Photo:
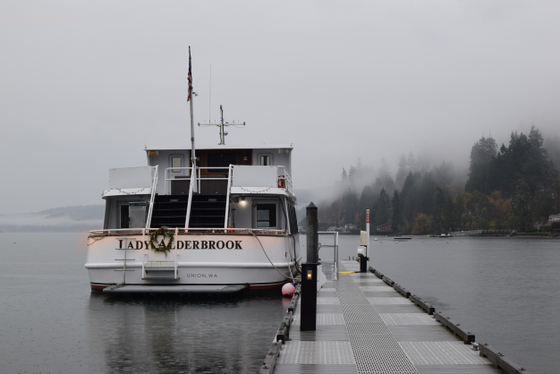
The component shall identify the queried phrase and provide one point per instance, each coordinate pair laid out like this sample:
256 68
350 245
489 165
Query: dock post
364 259
308 311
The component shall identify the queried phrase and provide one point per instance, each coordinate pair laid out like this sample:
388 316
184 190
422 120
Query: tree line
510 187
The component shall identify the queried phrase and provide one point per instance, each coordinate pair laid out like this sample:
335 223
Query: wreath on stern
158 247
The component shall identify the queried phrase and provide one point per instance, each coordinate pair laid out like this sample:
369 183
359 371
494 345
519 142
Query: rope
284 275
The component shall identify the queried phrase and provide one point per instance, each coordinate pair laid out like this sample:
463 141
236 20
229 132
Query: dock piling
308 311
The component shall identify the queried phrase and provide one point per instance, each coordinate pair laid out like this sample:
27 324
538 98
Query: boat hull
253 260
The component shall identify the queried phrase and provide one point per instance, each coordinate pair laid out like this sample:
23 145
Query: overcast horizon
86 85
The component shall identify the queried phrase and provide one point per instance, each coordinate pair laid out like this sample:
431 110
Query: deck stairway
169 210
208 211
160 270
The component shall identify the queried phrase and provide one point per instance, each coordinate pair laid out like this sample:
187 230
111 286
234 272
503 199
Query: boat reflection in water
182 335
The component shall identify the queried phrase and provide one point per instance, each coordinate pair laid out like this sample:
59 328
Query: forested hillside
514 186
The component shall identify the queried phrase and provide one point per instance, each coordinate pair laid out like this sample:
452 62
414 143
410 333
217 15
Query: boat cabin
229 188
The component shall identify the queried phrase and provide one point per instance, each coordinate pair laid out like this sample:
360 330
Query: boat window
293 220
266 215
221 159
265 160
176 162
124 216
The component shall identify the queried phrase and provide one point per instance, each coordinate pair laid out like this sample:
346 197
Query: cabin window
124 217
221 159
266 215
176 162
293 220
265 160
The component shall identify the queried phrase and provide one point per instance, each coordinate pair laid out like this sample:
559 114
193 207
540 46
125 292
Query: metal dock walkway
365 326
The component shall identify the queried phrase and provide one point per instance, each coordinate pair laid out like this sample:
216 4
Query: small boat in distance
401 238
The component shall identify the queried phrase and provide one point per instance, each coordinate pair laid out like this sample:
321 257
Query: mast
222 126
193 155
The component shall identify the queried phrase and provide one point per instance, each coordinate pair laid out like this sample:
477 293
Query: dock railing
335 249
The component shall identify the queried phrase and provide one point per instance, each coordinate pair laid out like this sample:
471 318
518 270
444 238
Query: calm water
504 290
50 323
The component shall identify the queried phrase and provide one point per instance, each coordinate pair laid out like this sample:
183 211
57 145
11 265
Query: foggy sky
84 86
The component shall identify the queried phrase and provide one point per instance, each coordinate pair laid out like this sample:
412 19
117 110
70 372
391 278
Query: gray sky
85 85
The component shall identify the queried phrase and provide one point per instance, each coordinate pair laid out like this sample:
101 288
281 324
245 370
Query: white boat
230 227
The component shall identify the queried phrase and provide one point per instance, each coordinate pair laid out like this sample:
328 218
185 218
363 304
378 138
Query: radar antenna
222 126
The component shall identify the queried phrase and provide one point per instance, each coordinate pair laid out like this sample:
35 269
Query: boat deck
365 326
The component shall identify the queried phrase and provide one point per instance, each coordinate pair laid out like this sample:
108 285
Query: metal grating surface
418 333
329 269
442 353
388 300
325 333
368 281
376 288
327 301
375 348
314 369
319 352
323 319
400 308
406 319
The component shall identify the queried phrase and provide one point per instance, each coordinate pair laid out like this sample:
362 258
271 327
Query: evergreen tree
439 203
421 225
402 171
459 209
409 197
382 208
396 212
448 218
520 204
552 146
426 195
482 154
349 207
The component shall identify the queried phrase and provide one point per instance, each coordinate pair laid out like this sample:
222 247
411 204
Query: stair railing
176 254
144 254
152 197
228 191
189 204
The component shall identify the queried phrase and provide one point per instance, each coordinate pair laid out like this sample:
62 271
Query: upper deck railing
249 178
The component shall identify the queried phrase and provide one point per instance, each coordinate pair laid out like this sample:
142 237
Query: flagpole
193 155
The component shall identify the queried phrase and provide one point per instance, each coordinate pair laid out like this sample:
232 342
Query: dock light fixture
243 202
309 275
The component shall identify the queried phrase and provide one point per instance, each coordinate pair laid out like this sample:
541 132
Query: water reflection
182 335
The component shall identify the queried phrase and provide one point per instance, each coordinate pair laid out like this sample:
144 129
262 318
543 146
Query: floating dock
367 324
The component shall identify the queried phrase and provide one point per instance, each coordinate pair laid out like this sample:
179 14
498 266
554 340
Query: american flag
190 76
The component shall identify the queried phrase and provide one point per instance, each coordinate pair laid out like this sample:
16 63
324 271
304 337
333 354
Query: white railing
152 197
238 176
183 231
230 177
250 176
189 204
334 246
199 178
169 178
